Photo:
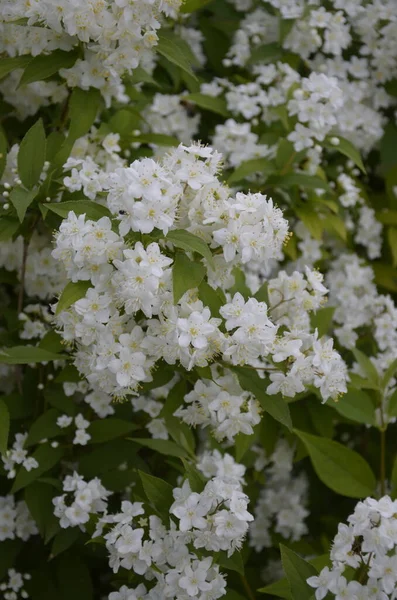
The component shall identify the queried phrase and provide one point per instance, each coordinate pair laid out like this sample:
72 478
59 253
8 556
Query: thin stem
247 588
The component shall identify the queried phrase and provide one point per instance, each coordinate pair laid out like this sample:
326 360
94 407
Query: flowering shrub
198 330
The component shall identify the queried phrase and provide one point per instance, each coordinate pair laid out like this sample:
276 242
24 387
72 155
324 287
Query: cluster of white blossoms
80 500
167 115
239 143
81 436
320 105
128 319
216 519
107 39
15 520
13 587
281 506
363 554
18 455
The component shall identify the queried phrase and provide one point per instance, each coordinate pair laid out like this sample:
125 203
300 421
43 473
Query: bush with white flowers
198 317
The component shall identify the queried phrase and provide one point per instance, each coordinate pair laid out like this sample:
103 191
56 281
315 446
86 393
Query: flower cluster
15 520
114 38
18 455
80 500
13 587
367 545
214 519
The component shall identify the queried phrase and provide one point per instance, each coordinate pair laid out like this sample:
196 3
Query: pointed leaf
31 155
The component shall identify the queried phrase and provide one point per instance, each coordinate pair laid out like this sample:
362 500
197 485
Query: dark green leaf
305 181
357 406
186 275
158 492
74 580
72 292
22 355
190 242
211 103
104 430
367 366
45 427
341 469
297 571
47 457
264 166
162 446
347 148
21 199
10 64
189 6
231 563
8 226
322 320
31 155
175 50
44 65
92 210
4 426
274 405
64 539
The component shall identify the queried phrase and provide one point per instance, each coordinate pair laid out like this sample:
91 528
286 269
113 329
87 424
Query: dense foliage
198 328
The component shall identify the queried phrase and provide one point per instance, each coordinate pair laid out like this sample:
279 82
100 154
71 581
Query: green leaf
21 199
322 320
196 479
158 492
158 139
392 240
232 563
74 579
297 571
280 588
139 75
63 540
336 224
389 373
274 405
367 366
31 155
83 109
265 52
92 210
162 446
10 64
189 6
343 470
211 103
392 405
44 65
3 151
8 226
214 299
104 430
47 457
4 426
38 497
186 275
357 406
72 292
45 427
22 355
175 50
305 181
264 166
190 242
311 220
347 148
